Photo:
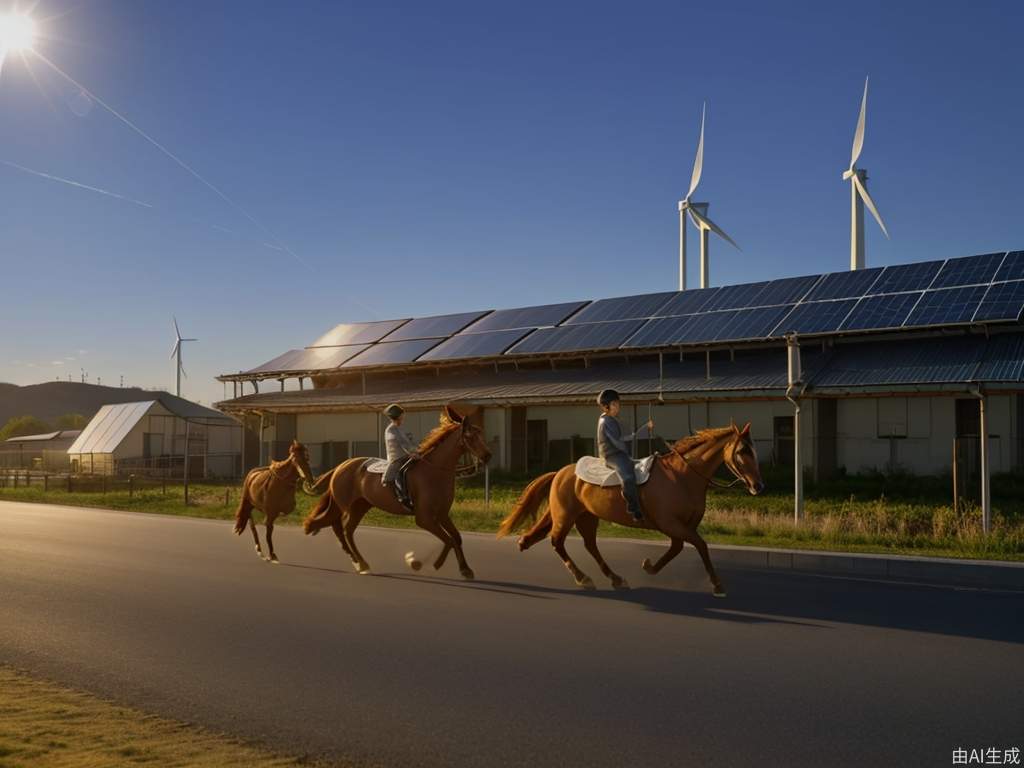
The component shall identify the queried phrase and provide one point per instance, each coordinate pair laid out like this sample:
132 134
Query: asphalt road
180 618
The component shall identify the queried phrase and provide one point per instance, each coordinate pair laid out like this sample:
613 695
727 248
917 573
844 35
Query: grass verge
881 514
44 724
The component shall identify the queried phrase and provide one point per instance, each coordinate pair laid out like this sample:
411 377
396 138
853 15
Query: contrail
77 184
173 157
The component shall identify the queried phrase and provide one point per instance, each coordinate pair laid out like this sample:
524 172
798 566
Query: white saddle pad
592 469
376 466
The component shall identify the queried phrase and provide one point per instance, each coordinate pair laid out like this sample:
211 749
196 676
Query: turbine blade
706 223
863 192
695 218
858 136
698 161
190 339
177 333
183 372
174 349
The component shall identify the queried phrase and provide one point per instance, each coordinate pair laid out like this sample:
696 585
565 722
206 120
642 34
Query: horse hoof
412 562
620 584
718 592
273 558
586 582
521 543
363 571
648 566
467 573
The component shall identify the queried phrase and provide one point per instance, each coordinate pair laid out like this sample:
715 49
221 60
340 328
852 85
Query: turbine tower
176 351
698 213
859 197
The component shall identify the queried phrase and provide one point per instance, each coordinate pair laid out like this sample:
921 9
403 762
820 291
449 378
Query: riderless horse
353 489
674 500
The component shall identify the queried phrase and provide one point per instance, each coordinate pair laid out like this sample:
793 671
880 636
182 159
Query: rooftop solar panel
661 332
687 302
357 333
324 358
907 277
751 324
625 308
969 270
572 338
844 285
433 327
279 363
947 306
734 296
786 291
880 312
391 353
1012 267
467 345
525 317
816 317
1003 301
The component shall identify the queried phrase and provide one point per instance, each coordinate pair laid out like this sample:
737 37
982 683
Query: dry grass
43 725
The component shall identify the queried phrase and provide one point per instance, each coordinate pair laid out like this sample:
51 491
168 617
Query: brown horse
430 483
272 490
673 500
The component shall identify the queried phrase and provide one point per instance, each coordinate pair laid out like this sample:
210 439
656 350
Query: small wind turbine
698 213
177 351
859 197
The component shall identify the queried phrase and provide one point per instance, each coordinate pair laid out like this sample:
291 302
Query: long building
897 363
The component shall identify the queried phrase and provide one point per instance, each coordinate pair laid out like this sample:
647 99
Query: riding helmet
607 397
393 411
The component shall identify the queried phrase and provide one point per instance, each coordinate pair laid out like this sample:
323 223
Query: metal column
986 487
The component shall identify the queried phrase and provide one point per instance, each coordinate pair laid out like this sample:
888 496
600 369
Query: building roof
969 292
60 434
112 423
916 364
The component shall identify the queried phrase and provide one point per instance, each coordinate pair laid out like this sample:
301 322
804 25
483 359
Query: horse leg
456 543
441 558
587 524
352 518
695 538
674 549
270 537
562 524
430 524
256 537
340 533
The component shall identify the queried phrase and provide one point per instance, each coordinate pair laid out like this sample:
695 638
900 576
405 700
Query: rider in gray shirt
401 450
612 447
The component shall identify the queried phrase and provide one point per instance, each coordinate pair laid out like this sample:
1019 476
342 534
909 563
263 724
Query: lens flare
17 32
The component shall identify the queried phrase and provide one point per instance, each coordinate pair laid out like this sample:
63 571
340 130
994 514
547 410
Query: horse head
741 459
470 419
299 456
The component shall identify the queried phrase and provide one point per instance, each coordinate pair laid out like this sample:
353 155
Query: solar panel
844 285
750 324
661 332
816 317
572 338
878 312
969 270
947 306
786 291
433 327
323 358
687 302
525 317
467 345
734 296
391 353
706 327
625 308
907 277
279 363
1012 268
357 333
1003 301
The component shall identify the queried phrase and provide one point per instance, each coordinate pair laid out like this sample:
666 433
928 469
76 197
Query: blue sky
426 158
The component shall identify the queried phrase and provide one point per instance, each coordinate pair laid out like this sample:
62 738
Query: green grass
866 513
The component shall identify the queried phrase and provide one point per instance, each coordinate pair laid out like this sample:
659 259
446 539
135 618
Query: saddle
376 466
593 470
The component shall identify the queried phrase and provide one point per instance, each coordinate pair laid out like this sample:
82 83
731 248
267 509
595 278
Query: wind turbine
178 341
698 213
859 197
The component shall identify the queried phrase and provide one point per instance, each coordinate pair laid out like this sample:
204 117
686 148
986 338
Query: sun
17 32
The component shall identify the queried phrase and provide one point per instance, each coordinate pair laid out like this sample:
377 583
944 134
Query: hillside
55 398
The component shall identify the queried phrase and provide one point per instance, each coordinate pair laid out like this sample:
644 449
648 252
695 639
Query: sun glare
17 32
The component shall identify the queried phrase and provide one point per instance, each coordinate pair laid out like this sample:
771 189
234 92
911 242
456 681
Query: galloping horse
272 490
430 482
673 499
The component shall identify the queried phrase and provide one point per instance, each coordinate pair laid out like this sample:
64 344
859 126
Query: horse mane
437 434
701 437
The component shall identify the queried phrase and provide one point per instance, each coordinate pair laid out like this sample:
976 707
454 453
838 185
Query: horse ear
746 429
452 415
732 423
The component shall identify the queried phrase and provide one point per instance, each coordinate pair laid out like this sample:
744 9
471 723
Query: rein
710 479
460 470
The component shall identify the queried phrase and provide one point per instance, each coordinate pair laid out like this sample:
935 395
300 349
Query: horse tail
315 487
528 504
244 512
320 516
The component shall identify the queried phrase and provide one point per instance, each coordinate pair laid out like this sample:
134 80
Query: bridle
461 470
737 478
299 475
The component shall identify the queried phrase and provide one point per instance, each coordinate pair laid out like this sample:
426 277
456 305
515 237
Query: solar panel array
976 289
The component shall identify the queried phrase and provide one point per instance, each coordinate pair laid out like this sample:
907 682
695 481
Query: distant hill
55 398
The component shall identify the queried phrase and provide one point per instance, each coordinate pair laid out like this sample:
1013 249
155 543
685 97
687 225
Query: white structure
859 197
176 352
698 213
154 436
